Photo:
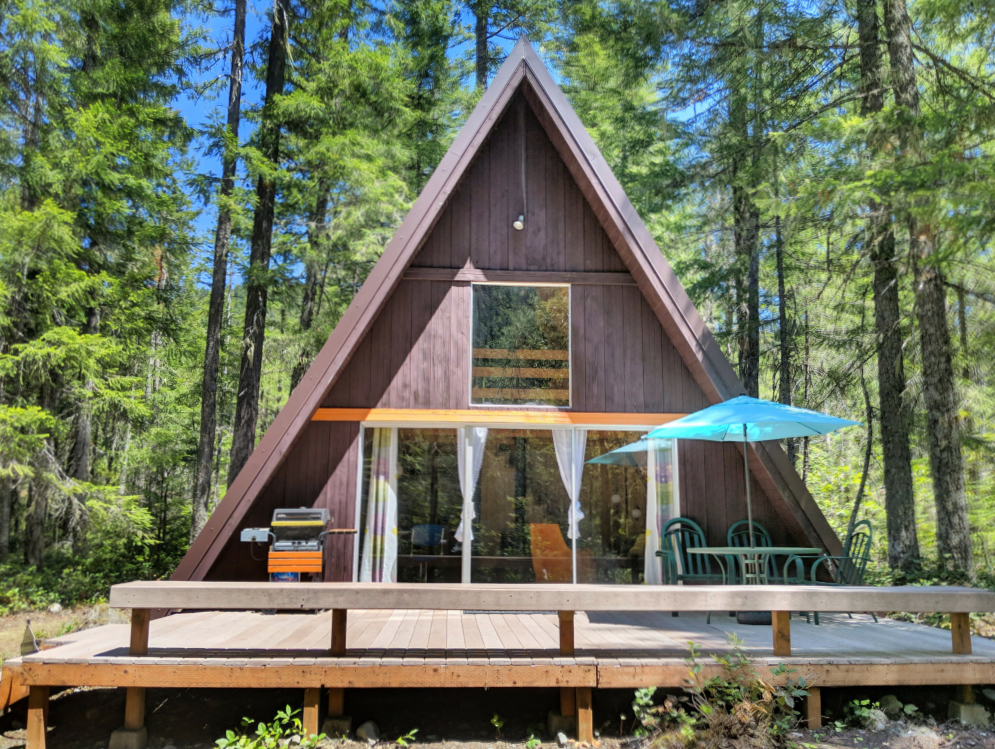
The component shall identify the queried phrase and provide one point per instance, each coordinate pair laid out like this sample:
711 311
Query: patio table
753 560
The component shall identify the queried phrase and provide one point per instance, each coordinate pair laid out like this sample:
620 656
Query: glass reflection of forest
520 532
521 342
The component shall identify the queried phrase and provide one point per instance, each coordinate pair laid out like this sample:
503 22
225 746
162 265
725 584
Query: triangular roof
523 70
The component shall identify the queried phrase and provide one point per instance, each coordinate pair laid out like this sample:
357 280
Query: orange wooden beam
493 416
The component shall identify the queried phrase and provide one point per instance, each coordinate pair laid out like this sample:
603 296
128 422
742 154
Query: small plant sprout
498 723
533 742
407 739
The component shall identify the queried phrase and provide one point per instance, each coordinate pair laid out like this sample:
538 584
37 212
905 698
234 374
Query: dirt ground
47 626
445 719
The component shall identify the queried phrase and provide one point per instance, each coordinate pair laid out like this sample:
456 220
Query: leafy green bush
270 735
733 708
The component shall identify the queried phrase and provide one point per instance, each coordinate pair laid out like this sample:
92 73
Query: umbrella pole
746 473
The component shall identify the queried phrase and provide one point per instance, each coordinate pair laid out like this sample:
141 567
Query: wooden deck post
312 702
960 632
339 622
813 708
781 624
336 702
37 717
134 703
566 632
568 701
585 716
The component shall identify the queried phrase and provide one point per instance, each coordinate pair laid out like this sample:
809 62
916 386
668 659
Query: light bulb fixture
519 222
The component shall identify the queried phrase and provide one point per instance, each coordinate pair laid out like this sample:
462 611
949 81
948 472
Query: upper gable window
521 345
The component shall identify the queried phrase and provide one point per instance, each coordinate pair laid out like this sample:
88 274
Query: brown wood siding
561 231
460 224
319 472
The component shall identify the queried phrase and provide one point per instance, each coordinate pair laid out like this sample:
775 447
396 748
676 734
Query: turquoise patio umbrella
632 455
745 419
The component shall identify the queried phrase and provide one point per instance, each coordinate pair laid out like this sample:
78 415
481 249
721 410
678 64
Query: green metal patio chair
847 569
679 535
738 535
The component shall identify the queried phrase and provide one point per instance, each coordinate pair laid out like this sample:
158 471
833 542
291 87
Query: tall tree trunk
6 504
80 458
784 375
481 11
903 542
254 329
746 230
312 281
215 310
953 532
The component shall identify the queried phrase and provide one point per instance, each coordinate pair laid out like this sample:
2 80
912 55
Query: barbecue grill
297 542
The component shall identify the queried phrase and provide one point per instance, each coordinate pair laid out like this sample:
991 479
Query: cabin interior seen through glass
521 345
412 512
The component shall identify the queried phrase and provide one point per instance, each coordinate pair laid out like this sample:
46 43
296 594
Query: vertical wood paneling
652 353
573 226
614 327
578 353
554 206
632 349
417 352
400 348
439 366
422 333
459 227
459 350
537 147
500 183
594 346
480 210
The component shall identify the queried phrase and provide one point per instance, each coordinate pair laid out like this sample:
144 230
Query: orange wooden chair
551 558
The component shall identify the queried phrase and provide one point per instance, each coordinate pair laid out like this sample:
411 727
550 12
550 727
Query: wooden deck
418 648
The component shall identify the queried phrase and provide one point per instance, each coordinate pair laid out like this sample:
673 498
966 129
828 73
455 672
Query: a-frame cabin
522 320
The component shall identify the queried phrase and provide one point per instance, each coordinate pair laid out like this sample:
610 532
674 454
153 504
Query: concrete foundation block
337 726
969 714
129 738
556 723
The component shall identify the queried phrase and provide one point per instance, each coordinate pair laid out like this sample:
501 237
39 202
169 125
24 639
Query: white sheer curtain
470 441
652 567
378 563
570 445
662 503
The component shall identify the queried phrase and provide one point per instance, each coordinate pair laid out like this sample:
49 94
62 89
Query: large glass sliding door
493 505
427 506
520 532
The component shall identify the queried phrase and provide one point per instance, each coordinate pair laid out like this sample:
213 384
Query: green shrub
733 708
269 735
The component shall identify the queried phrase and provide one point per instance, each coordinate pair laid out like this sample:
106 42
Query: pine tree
219 273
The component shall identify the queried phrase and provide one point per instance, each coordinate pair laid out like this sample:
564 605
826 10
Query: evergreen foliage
770 171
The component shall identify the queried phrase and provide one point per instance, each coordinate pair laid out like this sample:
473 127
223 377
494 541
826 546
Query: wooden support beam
312 702
585 716
139 632
566 632
813 708
568 701
134 701
781 624
339 622
336 702
493 417
134 708
37 717
960 632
